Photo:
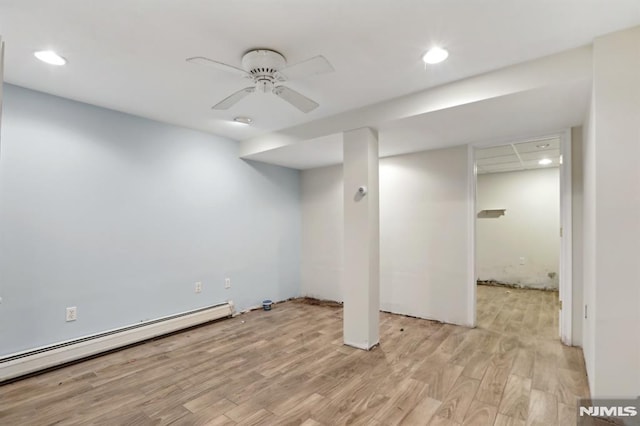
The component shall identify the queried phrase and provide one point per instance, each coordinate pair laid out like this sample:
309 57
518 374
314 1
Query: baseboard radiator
28 362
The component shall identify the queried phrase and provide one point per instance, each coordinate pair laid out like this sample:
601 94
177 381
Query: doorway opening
520 255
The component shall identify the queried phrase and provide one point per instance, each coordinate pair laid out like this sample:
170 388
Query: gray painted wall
120 216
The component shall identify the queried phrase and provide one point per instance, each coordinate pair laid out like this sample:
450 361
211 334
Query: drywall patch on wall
521 248
119 216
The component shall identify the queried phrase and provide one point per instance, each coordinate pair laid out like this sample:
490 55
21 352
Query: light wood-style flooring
288 366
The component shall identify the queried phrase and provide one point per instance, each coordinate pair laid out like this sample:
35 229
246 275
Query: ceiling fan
267 69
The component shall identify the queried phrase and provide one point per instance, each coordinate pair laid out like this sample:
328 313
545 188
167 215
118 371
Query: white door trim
471 250
566 246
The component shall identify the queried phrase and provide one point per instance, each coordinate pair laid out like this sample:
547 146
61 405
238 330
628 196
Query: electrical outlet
72 313
227 283
198 287
522 260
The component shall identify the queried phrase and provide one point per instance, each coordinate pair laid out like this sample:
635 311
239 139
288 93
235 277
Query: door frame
566 249
566 238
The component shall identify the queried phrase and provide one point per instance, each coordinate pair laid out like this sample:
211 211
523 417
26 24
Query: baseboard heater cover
23 363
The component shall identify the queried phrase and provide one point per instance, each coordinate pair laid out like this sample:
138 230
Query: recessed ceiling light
545 162
243 120
543 145
50 57
435 55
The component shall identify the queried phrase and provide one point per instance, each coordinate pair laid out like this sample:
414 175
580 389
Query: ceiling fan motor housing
267 68
263 66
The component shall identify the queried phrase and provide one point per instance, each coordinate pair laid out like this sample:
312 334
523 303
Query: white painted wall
612 218
589 245
322 232
529 229
424 235
1 77
577 265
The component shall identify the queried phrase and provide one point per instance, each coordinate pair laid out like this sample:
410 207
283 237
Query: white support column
361 279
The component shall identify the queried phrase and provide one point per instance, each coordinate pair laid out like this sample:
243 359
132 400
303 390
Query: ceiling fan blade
299 101
310 67
230 101
200 60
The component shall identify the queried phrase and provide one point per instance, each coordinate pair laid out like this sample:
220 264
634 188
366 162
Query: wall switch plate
72 313
522 260
198 287
227 283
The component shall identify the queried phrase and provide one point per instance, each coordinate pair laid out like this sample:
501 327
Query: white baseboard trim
363 346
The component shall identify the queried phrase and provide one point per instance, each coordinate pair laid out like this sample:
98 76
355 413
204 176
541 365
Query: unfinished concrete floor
288 366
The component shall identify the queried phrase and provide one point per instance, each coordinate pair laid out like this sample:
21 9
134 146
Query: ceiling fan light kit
267 69
263 66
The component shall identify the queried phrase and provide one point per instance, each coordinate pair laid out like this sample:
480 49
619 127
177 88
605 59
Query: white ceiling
129 55
500 120
518 156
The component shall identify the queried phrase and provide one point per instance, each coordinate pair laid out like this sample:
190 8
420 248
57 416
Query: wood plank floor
288 366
